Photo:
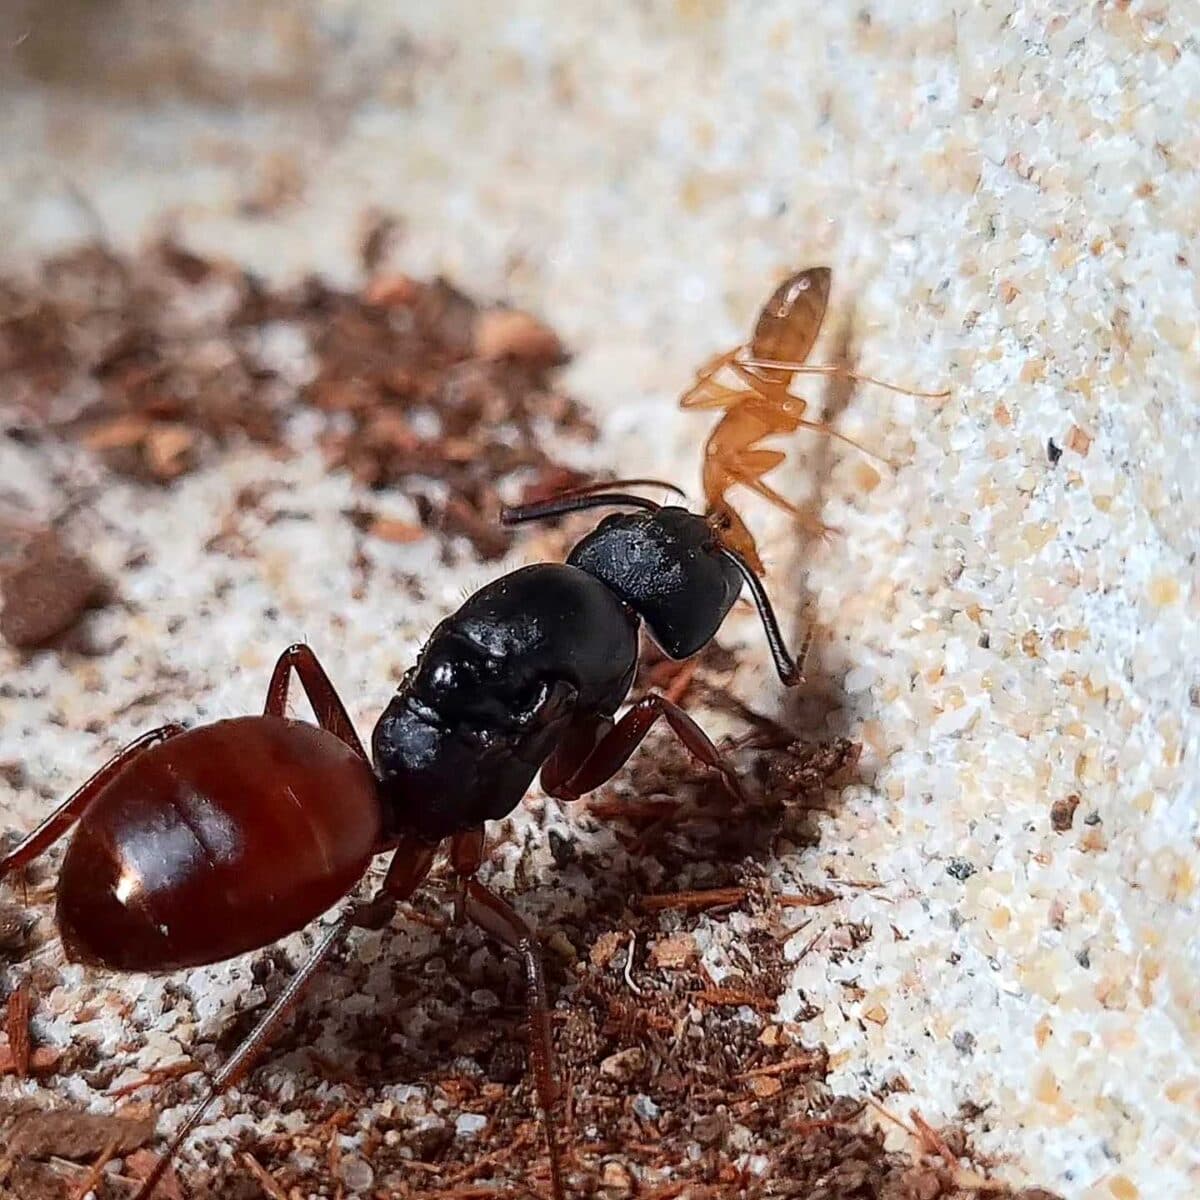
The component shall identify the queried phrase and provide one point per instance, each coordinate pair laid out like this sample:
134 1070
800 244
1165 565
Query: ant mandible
192 846
784 335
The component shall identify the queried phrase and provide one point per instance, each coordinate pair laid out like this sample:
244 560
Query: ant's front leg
706 392
567 778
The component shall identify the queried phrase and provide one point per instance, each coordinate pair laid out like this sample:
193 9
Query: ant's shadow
819 706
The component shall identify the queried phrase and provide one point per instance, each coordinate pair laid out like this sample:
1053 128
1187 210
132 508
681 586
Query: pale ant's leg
705 392
807 520
708 395
840 372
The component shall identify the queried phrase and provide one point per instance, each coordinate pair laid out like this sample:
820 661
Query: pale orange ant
765 367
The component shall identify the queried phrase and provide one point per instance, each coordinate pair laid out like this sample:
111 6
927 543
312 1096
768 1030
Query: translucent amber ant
761 404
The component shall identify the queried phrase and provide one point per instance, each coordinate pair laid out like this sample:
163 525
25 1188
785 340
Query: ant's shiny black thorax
493 691
667 567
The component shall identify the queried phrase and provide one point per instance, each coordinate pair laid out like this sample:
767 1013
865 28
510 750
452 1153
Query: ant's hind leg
327 705
245 1055
70 811
408 868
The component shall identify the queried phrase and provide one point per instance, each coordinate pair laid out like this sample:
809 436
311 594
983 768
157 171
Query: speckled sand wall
1008 195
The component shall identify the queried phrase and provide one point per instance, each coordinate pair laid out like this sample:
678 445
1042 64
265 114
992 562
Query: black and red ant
196 845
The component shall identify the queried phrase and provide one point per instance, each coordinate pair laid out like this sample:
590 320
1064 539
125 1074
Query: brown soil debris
156 362
1062 813
682 1082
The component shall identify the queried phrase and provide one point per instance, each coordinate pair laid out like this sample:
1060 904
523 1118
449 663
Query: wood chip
47 592
399 533
42 1060
694 901
140 1163
77 1136
506 333
672 953
605 948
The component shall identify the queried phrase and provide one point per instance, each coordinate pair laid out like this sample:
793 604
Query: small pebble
356 1173
469 1124
625 1064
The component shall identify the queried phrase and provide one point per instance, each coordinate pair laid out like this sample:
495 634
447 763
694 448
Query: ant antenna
585 497
589 489
790 671
560 505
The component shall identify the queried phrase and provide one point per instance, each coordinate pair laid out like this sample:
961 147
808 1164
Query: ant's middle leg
70 811
327 705
482 907
610 753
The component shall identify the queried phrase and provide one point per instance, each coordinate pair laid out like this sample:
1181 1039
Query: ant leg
240 1062
466 852
410 863
708 394
67 813
749 466
772 389
703 386
404 876
613 750
571 752
327 705
748 477
839 372
484 908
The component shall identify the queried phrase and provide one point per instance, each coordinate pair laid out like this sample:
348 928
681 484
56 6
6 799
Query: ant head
668 567
678 571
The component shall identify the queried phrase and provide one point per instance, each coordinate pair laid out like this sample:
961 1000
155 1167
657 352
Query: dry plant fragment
74 1135
17 1027
177 358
